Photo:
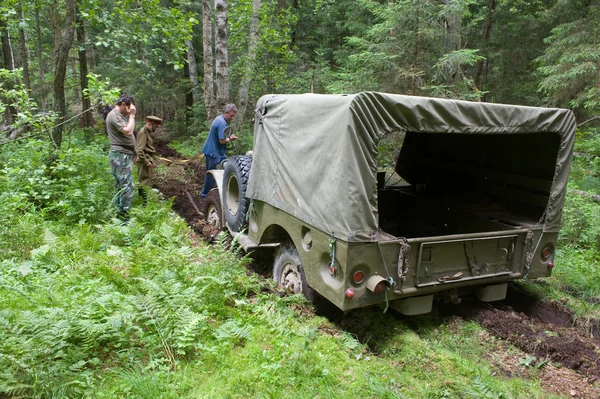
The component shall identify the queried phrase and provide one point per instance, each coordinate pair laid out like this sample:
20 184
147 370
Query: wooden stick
589 120
193 203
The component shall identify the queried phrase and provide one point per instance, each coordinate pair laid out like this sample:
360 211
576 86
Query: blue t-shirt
213 147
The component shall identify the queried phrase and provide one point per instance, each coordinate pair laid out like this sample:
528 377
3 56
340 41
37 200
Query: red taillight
331 269
349 293
358 277
550 265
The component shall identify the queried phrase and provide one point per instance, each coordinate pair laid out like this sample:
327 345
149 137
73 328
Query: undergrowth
91 308
576 277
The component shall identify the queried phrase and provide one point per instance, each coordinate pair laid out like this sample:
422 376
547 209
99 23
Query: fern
189 329
233 330
480 389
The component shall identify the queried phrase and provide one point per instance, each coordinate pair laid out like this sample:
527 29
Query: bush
74 184
581 222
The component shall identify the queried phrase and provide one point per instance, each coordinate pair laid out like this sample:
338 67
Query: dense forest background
181 60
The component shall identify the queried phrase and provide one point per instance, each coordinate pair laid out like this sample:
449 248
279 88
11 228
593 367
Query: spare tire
235 182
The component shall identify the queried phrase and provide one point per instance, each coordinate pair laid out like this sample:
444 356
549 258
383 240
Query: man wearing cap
120 124
216 144
145 152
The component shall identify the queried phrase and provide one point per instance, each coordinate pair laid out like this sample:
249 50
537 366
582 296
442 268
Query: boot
123 216
142 192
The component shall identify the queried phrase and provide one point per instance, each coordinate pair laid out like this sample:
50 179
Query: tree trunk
23 48
62 43
41 85
249 66
9 61
74 74
452 22
221 64
415 63
189 99
9 64
487 29
86 119
193 70
209 88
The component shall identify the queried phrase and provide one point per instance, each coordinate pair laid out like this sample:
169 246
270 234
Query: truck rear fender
218 175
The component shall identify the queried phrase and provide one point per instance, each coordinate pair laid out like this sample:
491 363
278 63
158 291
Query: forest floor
560 351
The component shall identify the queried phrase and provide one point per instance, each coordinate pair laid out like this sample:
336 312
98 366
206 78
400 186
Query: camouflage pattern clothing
120 158
121 169
145 152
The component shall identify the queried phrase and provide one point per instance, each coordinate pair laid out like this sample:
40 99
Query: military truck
468 198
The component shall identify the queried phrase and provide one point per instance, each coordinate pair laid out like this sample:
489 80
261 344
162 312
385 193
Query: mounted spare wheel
288 272
213 213
235 182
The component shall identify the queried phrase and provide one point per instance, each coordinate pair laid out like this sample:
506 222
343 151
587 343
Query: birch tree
207 34
221 54
193 70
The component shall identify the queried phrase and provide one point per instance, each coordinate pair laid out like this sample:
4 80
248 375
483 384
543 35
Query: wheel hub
291 278
213 217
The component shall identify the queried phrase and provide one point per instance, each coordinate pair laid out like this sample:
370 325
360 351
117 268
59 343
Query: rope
392 283
48 129
390 178
332 241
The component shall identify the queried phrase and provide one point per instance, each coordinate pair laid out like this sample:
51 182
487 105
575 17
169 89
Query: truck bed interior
468 183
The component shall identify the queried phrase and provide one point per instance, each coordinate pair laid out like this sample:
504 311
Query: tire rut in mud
183 182
547 331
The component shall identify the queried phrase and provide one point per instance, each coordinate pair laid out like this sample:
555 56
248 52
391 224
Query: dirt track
563 355
183 182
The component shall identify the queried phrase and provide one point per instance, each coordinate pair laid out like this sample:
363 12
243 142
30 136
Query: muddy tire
235 182
288 272
213 214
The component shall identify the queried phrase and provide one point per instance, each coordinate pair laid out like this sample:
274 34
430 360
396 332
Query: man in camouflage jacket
145 153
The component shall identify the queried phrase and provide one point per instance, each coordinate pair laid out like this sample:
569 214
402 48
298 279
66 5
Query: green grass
90 308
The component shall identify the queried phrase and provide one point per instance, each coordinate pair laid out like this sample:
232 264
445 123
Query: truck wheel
235 182
212 209
288 272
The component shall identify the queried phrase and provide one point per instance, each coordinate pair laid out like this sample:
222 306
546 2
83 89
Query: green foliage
570 64
387 55
581 215
112 295
191 146
99 91
578 273
15 97
275 54
510 71
127 23
450 73
74 184
581 222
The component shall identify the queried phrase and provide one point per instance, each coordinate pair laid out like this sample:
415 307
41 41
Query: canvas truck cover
315 156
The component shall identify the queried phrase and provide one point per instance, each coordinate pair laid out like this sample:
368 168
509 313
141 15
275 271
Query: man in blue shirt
216 144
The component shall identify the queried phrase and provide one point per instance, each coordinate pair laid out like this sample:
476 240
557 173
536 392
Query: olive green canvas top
315 156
